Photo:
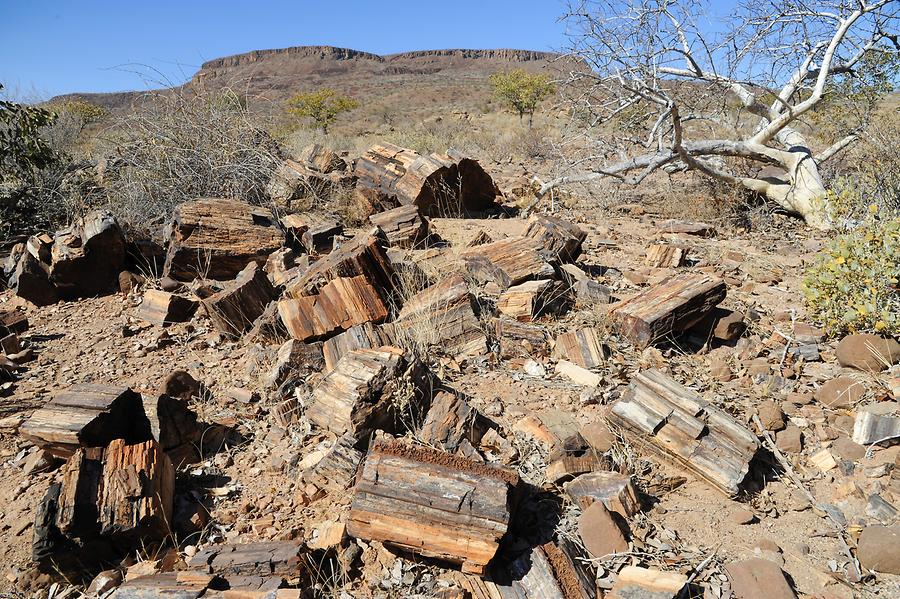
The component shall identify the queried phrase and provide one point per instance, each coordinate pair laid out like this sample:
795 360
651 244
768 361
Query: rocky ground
816 500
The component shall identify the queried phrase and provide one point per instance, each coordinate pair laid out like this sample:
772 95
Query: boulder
840 392
758 579
866 352
878 549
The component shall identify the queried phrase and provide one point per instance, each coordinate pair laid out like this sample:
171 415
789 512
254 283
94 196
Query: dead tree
668 88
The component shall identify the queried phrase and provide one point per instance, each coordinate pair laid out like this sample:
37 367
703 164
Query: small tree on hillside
322 106
521 91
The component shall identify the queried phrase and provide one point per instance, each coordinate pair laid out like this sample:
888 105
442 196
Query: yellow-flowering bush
853 285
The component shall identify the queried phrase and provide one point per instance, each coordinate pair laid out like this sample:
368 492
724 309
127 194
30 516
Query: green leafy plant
853 285
322 106
521 91
22 147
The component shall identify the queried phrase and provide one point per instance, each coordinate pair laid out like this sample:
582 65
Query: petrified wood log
234 309
675 423
358 396
664 255
561 239
216 238
86 258
432 503
520 258
163 308
437 185
361 336
340 304
337 468
120 495
279 558
582 347
403 226
668 308
526 301
12 322
315 232
443 315
363 255
616 491
89 416
31 281
451 421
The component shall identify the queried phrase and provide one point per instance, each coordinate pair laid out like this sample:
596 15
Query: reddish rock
789 440
771 416
866 352
878 549
758 579
840 392
600 532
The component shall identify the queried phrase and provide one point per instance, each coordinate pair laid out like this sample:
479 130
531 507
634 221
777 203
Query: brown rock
771 416
600 532
846 449
758 579
742 517
870 353
879 549
180 385
598 436
789 440
840 392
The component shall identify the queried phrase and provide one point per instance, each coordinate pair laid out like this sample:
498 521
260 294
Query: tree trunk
800 189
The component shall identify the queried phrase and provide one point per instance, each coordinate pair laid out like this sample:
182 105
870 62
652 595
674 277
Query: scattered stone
866 352
758 579
599 531
878 549
841 392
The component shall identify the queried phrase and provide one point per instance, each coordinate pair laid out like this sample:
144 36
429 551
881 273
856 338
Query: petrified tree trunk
120 495
675 423
668 308
443 315
363 255
358 396
437 185
519 258
163 308
86 258
87 416
216 238
404 226
342 303
234 309
432 503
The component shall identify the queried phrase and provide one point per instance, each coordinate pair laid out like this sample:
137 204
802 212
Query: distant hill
421 81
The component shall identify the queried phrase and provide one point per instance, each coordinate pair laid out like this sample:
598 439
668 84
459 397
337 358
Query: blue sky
49 48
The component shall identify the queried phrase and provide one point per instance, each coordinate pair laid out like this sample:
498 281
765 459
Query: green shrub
853 285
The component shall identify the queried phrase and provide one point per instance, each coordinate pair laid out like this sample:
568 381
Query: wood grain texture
679 426
356 397
217 238
341 304
527 301
234 309
432 503
668 308
87 415
444 315
520 258
439 185
561 239
582 347
163 308
403 226
364 255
